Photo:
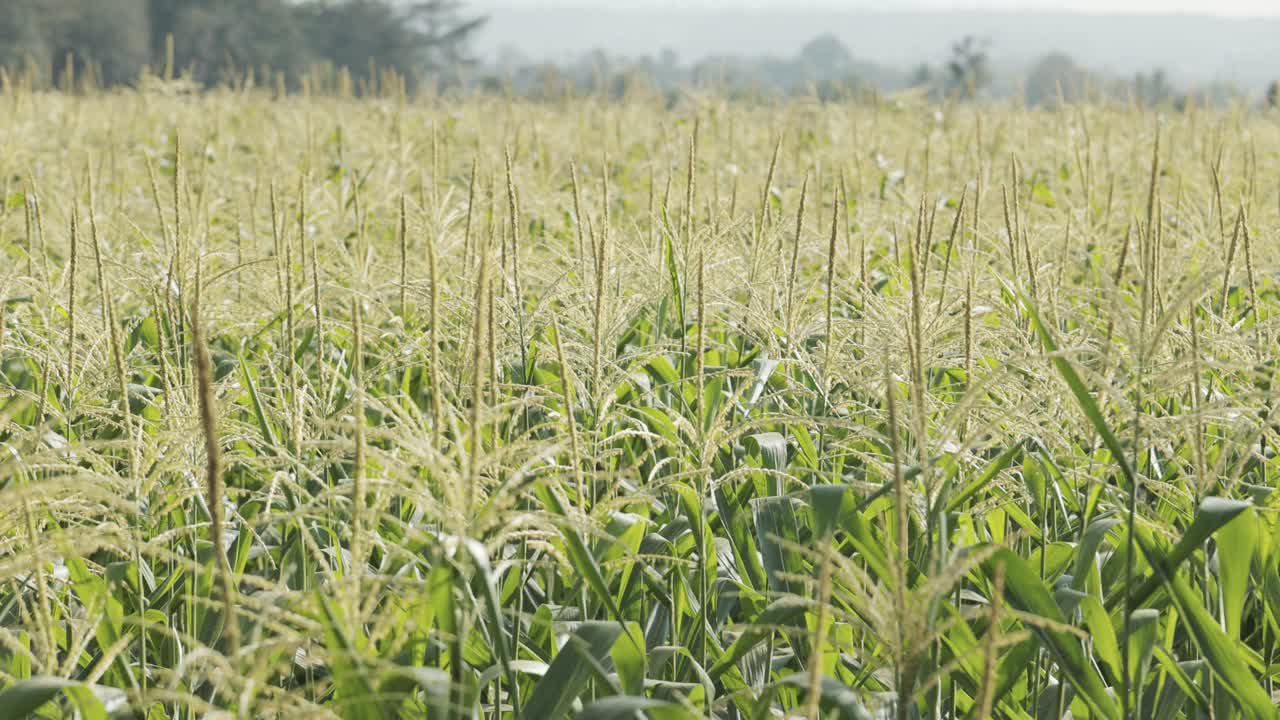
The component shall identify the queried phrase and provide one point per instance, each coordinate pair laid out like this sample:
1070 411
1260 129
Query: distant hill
1193 50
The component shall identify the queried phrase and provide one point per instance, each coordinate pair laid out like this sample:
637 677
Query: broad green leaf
1143 625
1221 652
784 612
259 414
771 447
1212 515
494 626
401 683
1082 395
630 659
993 468
776 527
579 554
1101 633
630 707
1181 687
22 699
1236 542
572 667
826 502
764 371
1026 592
673 272
356 697
1088 549
835 696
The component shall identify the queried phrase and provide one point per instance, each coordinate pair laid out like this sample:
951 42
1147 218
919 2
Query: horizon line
688 9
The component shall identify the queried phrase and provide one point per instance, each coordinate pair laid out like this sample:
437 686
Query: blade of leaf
1212 515
1081 393
1220 651
568 674
23 698
1236 543
630 707
1026 592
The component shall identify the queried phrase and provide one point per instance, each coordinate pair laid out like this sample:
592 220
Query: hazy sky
1208 7
1115 37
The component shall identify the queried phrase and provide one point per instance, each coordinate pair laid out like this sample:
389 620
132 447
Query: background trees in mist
116 39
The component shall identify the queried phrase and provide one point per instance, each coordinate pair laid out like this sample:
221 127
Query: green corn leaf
673 272
496 629
835 696
356 697
775 525
1088 549
1143 626
1236 543
1212 515
259 414
764 371
572 667
1102 633
826 502
579 554
1181 687
992 469
22 699
1027 593
630 659
629 707
771 447
1082 395
1223 654
784 612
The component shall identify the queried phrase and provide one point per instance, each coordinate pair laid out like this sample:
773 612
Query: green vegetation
478 407
112 42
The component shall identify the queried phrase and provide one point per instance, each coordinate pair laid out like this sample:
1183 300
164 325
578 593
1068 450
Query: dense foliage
115 39
327 407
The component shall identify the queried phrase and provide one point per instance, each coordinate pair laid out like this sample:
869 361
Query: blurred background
1040 51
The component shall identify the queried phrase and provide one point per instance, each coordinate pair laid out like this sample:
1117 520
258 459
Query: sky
1195 42
1206 7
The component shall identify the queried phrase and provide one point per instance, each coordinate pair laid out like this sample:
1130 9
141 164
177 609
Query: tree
921 76
112 35
359 34
827 55
445 31
1055 73
211 36
968 67
1273 94
1152 89
28 31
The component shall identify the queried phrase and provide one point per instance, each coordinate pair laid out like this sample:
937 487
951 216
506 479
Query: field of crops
479 408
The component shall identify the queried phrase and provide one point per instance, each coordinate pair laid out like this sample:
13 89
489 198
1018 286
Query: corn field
475 407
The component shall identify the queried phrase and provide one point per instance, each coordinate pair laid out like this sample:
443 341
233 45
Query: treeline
113 41
826 69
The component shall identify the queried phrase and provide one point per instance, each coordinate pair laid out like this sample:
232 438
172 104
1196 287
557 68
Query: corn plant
475 407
